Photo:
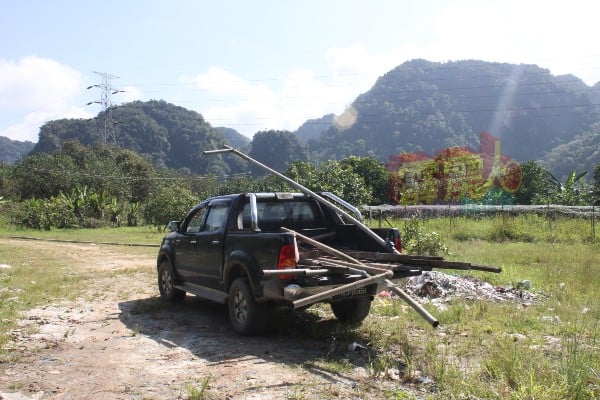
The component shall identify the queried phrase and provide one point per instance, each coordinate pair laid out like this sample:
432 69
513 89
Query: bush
46 214
168 203
416 241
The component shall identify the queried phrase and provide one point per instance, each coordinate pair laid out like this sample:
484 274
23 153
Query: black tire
352 310
166 284
245 315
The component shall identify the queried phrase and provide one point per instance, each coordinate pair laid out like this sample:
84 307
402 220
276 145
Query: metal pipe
253 212
388 274
315 298
411 302
335 252
296 271
344 203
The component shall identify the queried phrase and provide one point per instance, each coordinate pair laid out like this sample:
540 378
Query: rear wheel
245 314
352 310
166 284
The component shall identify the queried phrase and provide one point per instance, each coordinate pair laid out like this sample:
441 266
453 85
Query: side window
195 223
216 217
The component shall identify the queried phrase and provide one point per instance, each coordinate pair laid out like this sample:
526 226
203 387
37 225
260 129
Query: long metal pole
307 191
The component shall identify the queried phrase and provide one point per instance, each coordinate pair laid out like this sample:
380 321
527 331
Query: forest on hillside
427 106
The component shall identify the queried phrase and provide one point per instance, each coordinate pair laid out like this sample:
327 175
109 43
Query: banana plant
570 192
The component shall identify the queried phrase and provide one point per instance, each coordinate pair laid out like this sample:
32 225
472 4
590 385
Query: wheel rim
166 282
240 307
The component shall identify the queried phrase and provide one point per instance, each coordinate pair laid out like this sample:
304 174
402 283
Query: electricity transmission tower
107 91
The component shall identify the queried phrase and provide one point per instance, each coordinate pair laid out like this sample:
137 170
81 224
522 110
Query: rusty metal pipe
335 252
315 298
295 271
411 302
388 274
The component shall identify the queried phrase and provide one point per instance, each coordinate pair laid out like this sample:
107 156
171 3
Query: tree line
106 185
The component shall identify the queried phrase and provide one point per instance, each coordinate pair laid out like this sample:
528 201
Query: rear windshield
293 214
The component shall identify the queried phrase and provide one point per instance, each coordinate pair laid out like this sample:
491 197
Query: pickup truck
244 250
256 251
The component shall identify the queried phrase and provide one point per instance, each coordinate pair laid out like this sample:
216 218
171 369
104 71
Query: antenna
107 91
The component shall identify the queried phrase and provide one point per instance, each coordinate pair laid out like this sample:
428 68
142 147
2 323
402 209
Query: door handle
215 242
193 242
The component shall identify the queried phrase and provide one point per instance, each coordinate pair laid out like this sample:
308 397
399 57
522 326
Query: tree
118 172
535 186
331 176
44 175
570 193
168 202
596 185
276 149
7 185
372 172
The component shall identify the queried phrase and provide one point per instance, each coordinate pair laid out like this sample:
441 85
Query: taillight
288 257
398 244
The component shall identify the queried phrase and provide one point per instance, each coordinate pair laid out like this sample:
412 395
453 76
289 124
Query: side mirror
173 226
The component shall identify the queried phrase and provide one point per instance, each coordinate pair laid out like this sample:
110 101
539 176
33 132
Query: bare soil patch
118 341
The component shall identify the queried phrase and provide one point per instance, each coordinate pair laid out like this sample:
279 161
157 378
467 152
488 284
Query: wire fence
476 210
552 213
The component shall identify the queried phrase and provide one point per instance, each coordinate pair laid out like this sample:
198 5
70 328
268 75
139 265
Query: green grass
130 235
547 350
34 279
522 228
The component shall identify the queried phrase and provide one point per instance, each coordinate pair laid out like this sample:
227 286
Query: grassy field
482 350
141 235
548 350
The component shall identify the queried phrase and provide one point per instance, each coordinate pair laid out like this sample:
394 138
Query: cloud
547 34
286 103
37 90
127 94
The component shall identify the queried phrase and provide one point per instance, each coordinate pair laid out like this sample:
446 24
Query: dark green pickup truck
244 250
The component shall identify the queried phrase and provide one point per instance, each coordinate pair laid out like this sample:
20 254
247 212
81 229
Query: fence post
593 222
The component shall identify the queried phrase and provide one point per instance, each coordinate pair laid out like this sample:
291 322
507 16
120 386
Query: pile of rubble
439 288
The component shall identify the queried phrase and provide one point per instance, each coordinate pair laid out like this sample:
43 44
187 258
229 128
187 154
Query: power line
139 178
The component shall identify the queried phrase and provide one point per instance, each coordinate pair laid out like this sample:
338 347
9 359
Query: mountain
234 138
419 106
12 150
165 134
580 154
312 128
427 106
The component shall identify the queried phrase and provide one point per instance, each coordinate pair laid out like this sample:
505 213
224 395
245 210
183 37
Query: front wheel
166 284
245 314
352 310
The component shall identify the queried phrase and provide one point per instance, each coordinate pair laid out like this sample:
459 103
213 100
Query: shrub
416 241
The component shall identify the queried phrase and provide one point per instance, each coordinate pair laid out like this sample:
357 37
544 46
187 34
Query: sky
262 64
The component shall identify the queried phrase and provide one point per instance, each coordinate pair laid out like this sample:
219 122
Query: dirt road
117 341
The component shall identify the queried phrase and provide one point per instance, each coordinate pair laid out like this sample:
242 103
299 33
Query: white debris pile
439 287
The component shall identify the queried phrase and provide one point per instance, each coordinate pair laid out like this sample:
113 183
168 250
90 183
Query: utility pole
107 91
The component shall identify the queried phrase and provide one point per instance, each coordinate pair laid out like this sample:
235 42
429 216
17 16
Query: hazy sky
255 65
